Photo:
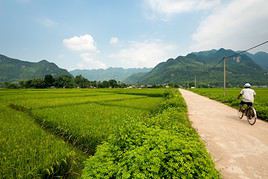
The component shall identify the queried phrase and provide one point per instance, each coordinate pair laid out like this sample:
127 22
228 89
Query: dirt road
239 149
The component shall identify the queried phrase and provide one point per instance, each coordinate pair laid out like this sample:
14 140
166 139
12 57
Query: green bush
175 101
151 153
163 146
168 119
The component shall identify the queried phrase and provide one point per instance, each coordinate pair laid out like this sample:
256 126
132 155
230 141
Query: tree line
80 82
64 82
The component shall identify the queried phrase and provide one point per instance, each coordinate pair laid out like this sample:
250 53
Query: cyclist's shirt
248 95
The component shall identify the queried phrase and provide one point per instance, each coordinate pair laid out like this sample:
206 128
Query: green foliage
11 85
173 100
260 103
81 81
168 119
151 153
49 80
158 147
64 82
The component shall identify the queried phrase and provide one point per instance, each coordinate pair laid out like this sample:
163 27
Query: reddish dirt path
238 149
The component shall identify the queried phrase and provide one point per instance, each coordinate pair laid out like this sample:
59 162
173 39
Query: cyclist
247 95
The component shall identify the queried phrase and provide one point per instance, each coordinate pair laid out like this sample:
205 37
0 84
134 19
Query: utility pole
224 75
224 59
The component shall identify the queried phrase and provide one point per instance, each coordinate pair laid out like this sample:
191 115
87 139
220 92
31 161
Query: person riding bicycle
247 95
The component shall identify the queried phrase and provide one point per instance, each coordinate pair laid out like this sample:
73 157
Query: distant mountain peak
116 73
222 49
170 59
44 61
262 53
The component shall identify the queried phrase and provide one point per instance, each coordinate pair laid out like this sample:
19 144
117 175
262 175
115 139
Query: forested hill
118 74
261 58
203 66
14 69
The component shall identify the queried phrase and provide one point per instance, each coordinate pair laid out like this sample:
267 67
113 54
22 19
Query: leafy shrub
168 94
262 111
168 119
145 152
175 101
163 146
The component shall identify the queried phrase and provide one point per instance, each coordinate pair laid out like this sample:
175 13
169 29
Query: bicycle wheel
240 113
251 116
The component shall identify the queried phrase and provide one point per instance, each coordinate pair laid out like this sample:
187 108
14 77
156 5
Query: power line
249 49
243 51
231 56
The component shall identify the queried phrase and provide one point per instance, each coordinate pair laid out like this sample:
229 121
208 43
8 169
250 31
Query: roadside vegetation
260 104
161 146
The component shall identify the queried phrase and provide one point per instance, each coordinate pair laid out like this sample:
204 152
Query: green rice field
61 133
40 121
260 104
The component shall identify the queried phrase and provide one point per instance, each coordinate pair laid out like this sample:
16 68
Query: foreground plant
163 146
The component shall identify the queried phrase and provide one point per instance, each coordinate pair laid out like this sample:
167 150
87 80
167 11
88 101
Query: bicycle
249 112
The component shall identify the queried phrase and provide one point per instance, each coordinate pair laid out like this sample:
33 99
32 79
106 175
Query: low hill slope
14 69
261 58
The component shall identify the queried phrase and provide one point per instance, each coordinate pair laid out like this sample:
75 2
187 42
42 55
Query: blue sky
90 34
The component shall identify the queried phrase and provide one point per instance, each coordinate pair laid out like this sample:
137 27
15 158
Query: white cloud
238 25
114 40
86 47
84 43
47 22
166 8
144 54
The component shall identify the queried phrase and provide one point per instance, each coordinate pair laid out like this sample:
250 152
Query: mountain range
15 70
206 67
119 74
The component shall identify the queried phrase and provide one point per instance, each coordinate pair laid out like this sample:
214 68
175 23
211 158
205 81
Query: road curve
238 149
